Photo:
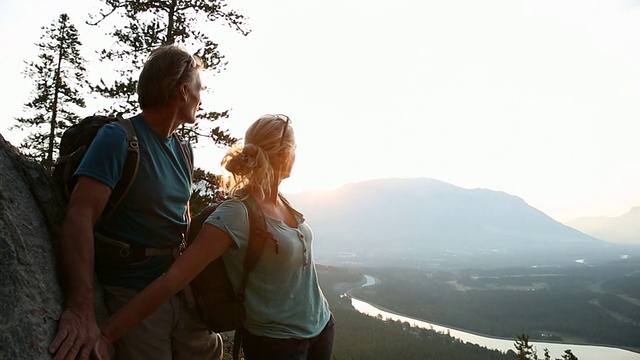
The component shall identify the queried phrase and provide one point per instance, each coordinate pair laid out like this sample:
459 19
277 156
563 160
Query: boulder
31 298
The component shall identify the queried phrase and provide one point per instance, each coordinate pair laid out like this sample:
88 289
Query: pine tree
59 79
524 350
206 190
150 24
568 355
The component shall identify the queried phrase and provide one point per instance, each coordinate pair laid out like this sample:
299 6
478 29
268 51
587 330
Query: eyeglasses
197 62
286 121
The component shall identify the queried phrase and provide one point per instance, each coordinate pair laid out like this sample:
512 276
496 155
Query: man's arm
78 330
210 244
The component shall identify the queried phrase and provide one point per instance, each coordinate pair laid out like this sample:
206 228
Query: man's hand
77 330
76 337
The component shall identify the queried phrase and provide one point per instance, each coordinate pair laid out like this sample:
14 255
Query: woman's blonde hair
269 146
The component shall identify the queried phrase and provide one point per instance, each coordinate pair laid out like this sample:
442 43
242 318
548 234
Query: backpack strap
257 238
186 153
130 169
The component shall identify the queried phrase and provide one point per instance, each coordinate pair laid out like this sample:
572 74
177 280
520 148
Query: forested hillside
598 304
362 337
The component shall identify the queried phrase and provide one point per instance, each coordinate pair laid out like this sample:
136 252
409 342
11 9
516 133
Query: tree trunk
54 108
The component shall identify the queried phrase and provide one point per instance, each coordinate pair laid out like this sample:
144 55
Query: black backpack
73 146
220 308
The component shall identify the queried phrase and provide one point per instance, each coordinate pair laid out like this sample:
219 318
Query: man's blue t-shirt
154 210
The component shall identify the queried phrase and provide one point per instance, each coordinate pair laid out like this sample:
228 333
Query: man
152 217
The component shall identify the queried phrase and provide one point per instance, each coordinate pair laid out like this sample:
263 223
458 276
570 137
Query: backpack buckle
179 250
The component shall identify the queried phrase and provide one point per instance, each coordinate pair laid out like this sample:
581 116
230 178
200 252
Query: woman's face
286 164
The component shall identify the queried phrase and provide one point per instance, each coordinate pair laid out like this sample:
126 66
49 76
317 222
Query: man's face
193 101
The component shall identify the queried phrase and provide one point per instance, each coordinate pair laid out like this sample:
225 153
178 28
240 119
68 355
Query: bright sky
536 98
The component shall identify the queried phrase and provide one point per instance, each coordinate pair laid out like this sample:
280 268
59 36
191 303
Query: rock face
31 299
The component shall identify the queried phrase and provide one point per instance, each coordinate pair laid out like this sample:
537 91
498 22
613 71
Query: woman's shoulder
233 204
230 209
232 217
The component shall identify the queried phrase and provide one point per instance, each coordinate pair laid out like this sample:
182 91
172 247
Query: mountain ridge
622 229
428 222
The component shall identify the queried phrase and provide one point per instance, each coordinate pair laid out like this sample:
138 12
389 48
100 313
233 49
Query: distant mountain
623 229
430 223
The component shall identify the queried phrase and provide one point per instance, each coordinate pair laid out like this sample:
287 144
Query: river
583 352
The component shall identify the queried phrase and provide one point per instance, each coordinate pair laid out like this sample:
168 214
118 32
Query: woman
287 316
